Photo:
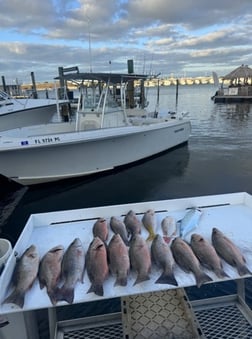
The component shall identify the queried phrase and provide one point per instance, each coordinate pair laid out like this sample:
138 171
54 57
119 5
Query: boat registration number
46 140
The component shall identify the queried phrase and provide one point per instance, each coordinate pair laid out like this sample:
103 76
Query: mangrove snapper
140 258
119 227
97 265
207 255
24 275
50 271
73 266
162 256
100 229
133 225
229 252
119 262
186 259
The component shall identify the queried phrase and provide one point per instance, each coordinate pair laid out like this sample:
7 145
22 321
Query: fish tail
151 235
202 278
121 281
141 277
167 279
221 274
243 270
16 298
97 289
65 293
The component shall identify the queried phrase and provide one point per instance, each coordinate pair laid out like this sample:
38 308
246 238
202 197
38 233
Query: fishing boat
20 112
103 136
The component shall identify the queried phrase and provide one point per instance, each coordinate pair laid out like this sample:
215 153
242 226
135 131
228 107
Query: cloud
168 36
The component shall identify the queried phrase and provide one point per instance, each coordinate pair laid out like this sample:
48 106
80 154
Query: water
216 160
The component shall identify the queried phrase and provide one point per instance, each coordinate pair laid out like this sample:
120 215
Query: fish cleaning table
231 213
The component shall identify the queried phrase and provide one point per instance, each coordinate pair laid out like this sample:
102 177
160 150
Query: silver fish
169 228
133 225
119 259
50 271
186 259
100 229
161 255
190 221
97 265
73 266
119 227
140 258
229 252
207 255
24 275
150 223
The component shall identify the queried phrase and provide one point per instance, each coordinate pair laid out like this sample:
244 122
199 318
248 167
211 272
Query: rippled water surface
216 160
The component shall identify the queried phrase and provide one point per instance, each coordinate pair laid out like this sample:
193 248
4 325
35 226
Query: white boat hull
77 154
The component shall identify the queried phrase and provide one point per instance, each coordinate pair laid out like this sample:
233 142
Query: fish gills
73 266
162 256
119 259
97 265
100 229
140 258
50 271
149 222
187 260
207 255
229 252
24 275
119 227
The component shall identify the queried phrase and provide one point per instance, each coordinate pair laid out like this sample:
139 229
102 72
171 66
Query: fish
169 228
228 251
207 255
186 259
133 225
190 221
119 227
162 256
50 272
97 265
149 222
24 275
72 270
100 229
119 259
140 258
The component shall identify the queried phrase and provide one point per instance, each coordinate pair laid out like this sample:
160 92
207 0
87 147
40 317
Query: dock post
34 89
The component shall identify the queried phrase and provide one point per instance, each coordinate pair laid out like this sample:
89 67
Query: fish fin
140 278
16 298
221 274
64 293
97 289
167 279
243 270
121 281
202 278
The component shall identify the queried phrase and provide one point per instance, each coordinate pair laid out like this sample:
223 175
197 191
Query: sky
180 38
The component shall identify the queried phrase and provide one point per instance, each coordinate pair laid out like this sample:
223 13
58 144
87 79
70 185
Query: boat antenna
89 45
